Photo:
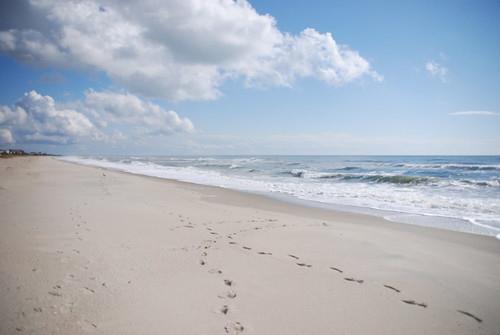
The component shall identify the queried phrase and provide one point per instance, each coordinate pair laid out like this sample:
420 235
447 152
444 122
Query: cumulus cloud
176 49
309 54
436 70
98 117
36 118
112 107
475 113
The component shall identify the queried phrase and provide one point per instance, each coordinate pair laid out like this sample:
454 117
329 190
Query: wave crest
394 179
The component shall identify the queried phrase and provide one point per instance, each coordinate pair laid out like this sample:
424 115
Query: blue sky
418 77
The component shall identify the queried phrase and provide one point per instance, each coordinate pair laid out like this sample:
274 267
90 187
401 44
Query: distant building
12 152
19 152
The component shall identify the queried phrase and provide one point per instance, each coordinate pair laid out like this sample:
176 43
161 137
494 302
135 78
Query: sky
197 77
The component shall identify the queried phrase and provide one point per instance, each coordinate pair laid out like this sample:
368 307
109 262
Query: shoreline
338 208
92 250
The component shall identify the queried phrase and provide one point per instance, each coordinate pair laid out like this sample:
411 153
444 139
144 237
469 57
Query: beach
91 250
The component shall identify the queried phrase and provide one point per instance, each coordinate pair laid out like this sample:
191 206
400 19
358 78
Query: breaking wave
395 179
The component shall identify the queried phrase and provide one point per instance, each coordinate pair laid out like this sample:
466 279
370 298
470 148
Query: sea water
449 192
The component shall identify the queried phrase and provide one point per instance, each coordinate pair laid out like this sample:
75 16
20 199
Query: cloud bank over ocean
475 113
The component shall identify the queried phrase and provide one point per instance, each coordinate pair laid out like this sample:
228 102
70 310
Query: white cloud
178 49
436 70
475 113
6 136
126 108
99 117
36 118
309 54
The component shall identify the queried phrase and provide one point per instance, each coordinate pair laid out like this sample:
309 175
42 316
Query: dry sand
85 250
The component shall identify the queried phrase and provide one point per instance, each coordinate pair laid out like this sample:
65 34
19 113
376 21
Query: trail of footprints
232 327
56 292
235 327
340 271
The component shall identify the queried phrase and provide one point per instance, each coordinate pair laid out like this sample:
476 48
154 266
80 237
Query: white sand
84 250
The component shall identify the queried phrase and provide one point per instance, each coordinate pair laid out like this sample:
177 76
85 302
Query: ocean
459 193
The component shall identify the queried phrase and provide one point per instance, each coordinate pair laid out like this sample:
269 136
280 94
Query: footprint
264 253
232 242
202 262
359 281
55 294
247 248
91 323
392 288
234 328
336 269
224 309
231 294
228 294
89 289
228 282
470 315
215 271
413 302
304 264
293 256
